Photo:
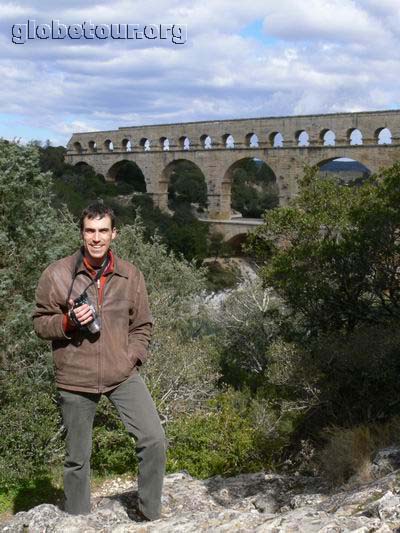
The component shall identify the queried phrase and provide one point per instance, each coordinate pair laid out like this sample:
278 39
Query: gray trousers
138 413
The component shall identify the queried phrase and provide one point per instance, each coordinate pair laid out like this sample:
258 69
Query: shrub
113 448
30 434
221 440
356 375
221 277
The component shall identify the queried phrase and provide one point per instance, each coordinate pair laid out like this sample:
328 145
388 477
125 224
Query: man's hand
83 313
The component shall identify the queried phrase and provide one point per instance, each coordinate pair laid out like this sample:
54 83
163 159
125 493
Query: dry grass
348 453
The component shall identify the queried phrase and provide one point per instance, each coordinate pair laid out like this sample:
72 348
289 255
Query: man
98 347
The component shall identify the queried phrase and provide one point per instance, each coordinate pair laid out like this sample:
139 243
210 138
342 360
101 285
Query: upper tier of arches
252 140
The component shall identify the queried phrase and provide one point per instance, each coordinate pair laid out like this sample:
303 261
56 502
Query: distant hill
345 166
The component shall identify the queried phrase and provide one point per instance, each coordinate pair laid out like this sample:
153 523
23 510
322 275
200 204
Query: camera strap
78 264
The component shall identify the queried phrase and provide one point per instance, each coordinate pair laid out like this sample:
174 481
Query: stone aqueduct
217 147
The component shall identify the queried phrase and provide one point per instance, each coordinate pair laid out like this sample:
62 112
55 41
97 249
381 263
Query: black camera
94 325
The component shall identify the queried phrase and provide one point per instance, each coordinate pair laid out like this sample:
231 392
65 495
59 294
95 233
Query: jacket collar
119 266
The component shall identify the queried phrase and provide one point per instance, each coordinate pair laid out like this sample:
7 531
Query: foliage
113 450
222 440
30 493
30 432
253 188
186 235
181 372
247 323
79 186
221 276
33 234
251 327
334 251
342 379
187 184
128 173
218 247
356 375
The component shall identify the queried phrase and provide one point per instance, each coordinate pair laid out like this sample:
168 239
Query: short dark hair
97 210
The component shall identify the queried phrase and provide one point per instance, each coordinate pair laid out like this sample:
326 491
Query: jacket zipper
100 366
100 313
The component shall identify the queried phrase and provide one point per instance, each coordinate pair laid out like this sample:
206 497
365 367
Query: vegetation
292 366
332 259
187 185
181 373
254 188
334 252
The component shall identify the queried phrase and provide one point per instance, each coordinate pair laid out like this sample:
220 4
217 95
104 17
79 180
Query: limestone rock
248 502
386 461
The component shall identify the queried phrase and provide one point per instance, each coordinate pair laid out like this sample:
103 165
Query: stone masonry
217 147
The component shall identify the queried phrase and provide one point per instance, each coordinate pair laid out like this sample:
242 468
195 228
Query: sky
196 60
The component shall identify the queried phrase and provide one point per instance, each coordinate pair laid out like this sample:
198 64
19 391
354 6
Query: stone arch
260 178
192 191
327 137
92 146
228 141
83 165
354 136
164 144
347 171
127 145
383 136
302 138
145 144
276 139
184 142
78 147
128 172
251 140
108 145
206 142
236 243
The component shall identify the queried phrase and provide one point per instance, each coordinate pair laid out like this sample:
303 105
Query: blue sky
253 59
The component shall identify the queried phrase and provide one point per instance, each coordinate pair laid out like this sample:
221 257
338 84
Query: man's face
97 235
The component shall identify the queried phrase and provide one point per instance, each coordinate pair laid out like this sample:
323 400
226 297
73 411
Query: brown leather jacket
83 361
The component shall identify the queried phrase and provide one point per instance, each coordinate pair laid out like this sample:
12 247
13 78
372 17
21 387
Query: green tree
254 188
187 184
332 255
33 234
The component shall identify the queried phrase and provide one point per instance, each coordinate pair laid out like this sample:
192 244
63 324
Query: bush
113 448
246 324
222 440
220 277
30 434
356 376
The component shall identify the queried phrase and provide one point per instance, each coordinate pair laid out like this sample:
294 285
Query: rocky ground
249 502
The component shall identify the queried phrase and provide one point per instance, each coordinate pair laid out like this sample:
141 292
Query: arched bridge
285 144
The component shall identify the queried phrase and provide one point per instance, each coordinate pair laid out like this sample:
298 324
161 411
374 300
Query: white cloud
326 20
11 11
331 55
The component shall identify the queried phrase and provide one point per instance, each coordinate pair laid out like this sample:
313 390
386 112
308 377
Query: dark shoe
141 517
